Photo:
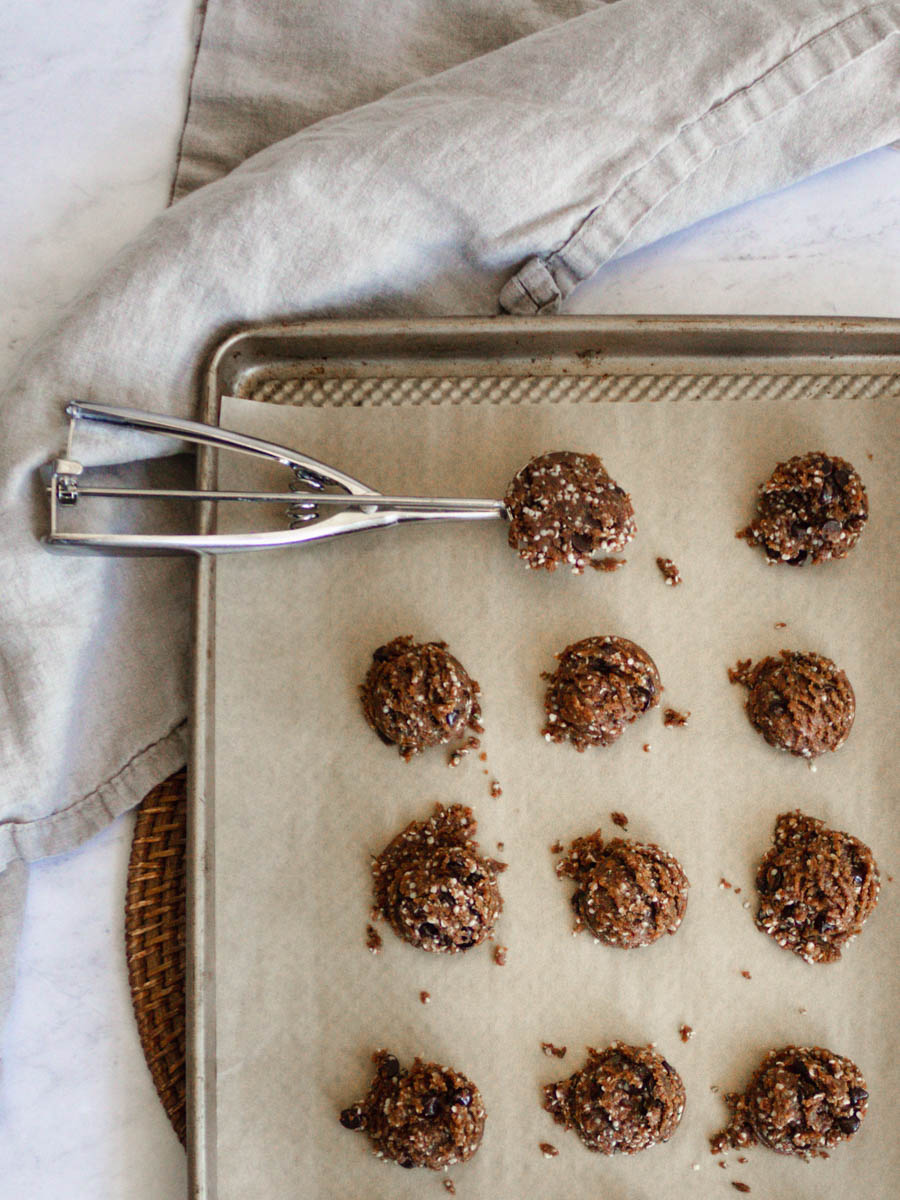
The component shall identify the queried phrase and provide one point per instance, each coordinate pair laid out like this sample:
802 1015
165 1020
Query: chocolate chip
432 1106
821 922
456 868
352 1118
842 477
774 878
857 1095
798 559
405 1163
797 529
832 527
772 552
474 879
463 1098
827 493
389 1067
582 543
428 930
849 1125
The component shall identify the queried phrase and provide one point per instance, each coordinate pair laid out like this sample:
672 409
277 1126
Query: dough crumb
374 940
557 848
685 1033
425 997
553 1051
608 564
548 1150
500 953
619 818
723 883
501 846
496 790
672 718
450 1186
646 747
781 624
670 572
740 1187
746 975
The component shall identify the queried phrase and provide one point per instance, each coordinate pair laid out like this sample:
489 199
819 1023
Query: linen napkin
422 158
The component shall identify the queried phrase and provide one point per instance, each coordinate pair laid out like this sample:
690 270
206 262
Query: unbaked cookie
627 893
800 702
816 888
623 1100
601 685
434 888
565 510
812 508
802 1100
426 1116
417 695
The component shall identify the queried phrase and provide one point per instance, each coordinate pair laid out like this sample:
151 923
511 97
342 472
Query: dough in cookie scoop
434 888
601 685
565 510
424 1116
800 702
816 888
623 1100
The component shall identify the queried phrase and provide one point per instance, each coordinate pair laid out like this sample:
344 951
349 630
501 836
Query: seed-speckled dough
816 888
418 695
802 1100
601 685
800 702
623 1100
565 510
434 888
426 1116
628 894
812 508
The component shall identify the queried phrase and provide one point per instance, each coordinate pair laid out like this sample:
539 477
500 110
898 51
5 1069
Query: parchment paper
306 794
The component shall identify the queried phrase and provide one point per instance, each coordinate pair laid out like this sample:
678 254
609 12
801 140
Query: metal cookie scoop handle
313 513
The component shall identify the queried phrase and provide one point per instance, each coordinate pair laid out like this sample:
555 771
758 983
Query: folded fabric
515 174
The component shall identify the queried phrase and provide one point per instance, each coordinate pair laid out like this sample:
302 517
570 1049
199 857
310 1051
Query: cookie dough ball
564 509
816 888
799 702
433 887
417 695
812 508
627 894
802 1100
601 685
426 1116
624 1099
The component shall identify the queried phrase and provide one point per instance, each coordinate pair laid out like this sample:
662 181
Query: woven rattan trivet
155 938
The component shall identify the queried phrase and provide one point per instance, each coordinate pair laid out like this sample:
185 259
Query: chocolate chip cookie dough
816 888
601 685
424 1116
417 695
802 1100
623 1100
800 702
432 886
627 893
812 508
564 509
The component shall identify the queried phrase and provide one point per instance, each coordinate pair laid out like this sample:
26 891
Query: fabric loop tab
531 290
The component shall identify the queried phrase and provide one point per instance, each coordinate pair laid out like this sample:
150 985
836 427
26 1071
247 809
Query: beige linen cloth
414 157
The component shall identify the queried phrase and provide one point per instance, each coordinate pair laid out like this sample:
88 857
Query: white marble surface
91 100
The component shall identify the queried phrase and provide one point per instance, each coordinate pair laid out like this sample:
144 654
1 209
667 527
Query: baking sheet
305 794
